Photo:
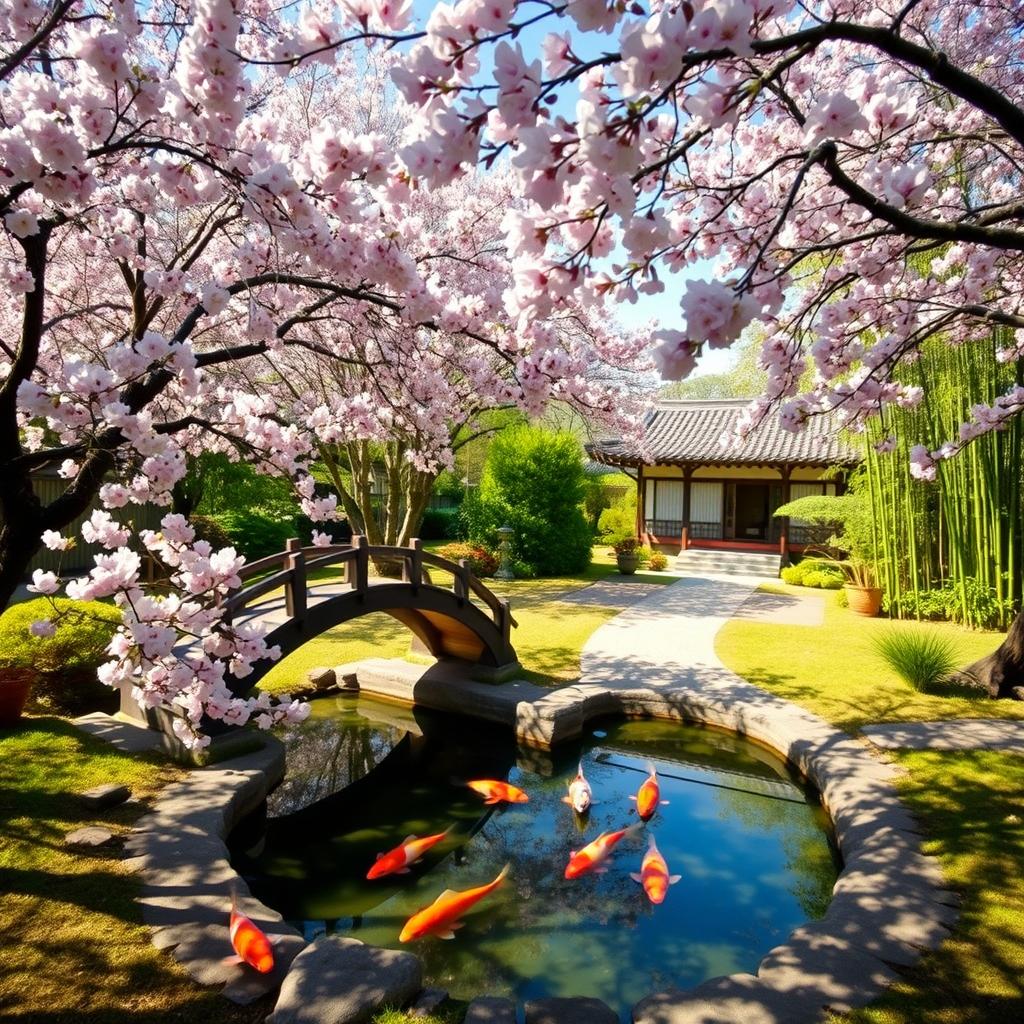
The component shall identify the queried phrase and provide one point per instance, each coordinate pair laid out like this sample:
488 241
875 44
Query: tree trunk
1001 673
19 533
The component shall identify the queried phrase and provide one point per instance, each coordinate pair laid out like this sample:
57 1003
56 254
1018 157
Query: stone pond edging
889 903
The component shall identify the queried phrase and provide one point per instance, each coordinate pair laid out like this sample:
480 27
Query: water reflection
750 845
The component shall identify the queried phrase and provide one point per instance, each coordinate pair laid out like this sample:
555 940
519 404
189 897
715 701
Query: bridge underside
446 626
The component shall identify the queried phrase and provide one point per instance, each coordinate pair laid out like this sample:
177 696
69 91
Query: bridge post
362 567
412 567
295 587
460 584
505 622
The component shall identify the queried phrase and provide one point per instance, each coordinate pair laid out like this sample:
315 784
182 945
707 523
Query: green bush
643 553
919 659
66 661
481 561
793 575
618 522
842 599
823 580
255 534
532 481
658 561
948 603
814 572
440 524
208 529
606 491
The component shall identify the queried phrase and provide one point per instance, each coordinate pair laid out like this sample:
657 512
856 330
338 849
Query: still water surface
751 845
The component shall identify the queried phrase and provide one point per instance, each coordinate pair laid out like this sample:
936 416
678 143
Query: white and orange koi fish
580 794
498 792
591 856
648 796
402 857
653 874
441 918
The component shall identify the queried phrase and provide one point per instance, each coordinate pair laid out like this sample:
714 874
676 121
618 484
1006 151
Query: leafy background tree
533 481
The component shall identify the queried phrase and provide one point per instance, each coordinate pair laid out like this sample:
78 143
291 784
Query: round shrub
66 661
533 482
618 522
480 560
658 561
794 574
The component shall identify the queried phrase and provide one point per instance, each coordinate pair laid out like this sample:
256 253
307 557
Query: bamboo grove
951 548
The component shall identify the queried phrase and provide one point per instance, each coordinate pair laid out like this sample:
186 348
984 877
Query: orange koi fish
498 792
580 795
653 875
398 860
251 946
441 918
594 853
648 796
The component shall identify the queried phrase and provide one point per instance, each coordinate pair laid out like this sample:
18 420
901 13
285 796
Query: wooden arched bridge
463 620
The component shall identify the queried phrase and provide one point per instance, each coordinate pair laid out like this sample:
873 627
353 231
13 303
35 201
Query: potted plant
16 679
626 555
863 593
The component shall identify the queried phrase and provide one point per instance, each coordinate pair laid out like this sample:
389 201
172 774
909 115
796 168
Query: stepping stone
91 835
490 1010
338 980
573 1010
322 678
110 795
427 1002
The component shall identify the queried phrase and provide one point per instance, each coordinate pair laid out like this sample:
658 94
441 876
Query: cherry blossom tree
173 212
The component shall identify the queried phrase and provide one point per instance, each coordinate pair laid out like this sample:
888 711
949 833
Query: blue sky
663 308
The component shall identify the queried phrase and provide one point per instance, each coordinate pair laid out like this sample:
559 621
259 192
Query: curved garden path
668 639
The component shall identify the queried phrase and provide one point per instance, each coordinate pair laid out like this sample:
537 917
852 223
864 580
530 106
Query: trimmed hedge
66 661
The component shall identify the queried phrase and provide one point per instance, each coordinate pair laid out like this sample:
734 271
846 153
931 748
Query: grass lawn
968 802
74 947
833 671
548 639
970 805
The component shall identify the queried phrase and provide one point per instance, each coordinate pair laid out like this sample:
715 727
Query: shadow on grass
969 805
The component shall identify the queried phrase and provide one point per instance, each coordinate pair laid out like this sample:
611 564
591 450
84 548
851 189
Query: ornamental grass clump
920 659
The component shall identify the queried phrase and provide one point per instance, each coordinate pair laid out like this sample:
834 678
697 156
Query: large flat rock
338 980
571 1010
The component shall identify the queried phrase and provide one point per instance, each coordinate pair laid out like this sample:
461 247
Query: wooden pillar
295 585
687 484
641 501
784 533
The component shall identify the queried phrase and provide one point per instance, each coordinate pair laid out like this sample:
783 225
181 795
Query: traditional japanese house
694 492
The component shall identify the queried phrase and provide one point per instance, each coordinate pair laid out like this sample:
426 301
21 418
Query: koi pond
751 844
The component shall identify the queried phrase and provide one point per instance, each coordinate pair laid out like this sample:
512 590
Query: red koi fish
398 860
251 946
648 796
653 875
441 918
498 792
590 857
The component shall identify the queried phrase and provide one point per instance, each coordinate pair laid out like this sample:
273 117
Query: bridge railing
291 568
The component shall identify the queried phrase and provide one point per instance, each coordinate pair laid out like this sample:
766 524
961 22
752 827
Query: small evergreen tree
533 481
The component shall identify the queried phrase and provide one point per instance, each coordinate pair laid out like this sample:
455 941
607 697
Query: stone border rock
889 902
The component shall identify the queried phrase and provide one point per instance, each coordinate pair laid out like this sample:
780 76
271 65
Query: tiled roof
691 432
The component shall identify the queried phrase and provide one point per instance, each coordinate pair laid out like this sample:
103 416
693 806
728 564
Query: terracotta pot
864 600
15 684
627 563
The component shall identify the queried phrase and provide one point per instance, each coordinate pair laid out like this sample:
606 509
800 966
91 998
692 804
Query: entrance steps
719 562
